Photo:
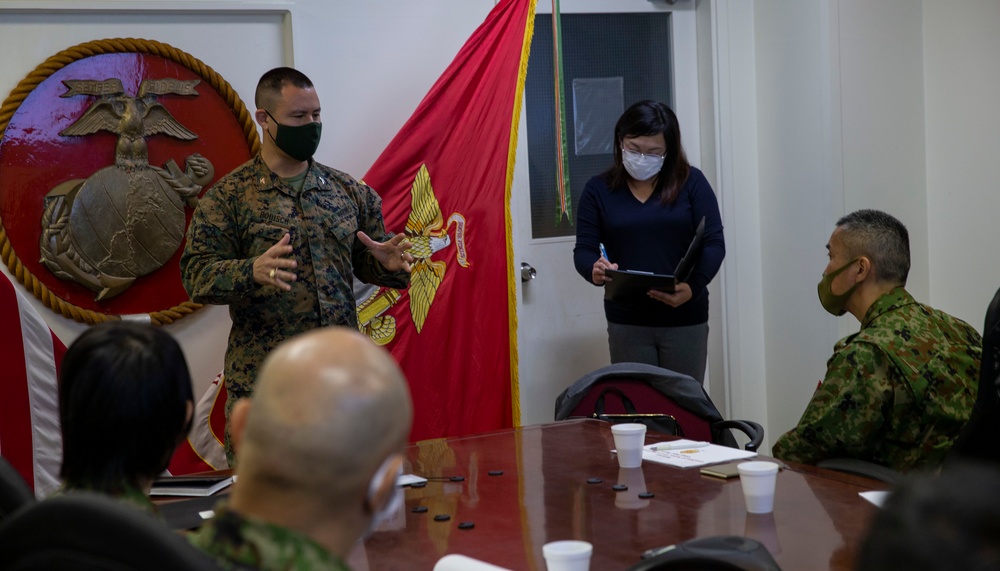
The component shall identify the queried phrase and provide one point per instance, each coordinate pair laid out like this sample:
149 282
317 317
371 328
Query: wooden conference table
543 495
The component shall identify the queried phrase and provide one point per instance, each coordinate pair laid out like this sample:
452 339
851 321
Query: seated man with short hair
125 403
319 448
899 391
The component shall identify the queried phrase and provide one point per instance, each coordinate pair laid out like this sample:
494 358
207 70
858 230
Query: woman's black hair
645 118
124 390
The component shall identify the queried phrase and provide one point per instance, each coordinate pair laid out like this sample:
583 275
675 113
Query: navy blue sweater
650 237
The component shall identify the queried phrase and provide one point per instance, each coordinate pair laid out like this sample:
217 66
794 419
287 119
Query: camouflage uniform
129 496
230 538
897 392
140 500
247 212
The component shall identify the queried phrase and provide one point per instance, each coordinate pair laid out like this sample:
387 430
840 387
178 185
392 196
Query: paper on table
456 562
698 455
407 479
877 498
191 485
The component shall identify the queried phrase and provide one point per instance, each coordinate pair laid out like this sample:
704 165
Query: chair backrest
84 531
646 400
715 553
654 389
14 491
981 437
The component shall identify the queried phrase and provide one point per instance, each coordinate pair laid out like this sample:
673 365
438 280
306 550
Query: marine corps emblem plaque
105 149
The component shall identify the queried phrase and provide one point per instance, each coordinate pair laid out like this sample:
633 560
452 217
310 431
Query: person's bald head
329 407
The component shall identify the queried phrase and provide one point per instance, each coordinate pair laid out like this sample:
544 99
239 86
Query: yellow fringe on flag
515 391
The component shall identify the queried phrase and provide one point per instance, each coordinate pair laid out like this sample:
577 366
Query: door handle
528 273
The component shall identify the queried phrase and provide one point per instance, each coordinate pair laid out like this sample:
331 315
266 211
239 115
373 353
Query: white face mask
640 166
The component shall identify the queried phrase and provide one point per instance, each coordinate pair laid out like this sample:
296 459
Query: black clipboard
629 284
626 284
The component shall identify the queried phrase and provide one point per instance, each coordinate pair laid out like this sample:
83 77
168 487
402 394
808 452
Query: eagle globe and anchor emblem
127 219
427 231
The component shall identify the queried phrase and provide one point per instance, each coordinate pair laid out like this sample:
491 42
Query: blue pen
604 252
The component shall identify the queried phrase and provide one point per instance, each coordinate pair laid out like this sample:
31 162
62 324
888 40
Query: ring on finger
271 273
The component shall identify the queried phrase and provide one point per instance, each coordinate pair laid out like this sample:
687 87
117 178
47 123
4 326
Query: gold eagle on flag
425 229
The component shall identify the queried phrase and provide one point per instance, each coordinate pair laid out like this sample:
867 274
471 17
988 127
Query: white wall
734 117
962 106
882 117
373 62
717 385
799 198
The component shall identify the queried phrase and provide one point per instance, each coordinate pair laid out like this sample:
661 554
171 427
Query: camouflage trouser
233 394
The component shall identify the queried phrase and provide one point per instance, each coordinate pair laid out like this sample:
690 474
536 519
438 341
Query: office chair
91 532
14 491
980 439
716 553
638 388
861 468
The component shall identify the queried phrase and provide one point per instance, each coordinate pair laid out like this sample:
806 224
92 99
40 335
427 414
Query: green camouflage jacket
898 392
232 539
140 500
129 495
247 212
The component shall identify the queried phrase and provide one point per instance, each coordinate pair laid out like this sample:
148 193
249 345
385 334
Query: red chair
628 391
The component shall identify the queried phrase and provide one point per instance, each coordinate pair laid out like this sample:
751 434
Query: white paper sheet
877 498
407 479
690 453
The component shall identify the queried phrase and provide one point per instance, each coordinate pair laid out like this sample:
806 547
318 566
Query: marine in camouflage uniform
231 538
249 211
898 392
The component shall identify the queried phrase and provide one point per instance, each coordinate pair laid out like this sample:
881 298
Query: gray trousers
680 349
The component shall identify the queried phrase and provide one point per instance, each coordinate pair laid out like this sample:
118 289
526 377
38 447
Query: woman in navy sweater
644 210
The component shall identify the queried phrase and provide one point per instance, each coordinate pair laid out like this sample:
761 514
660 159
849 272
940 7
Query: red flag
446 178
29 406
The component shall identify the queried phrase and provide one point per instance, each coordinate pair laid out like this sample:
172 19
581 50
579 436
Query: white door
562 332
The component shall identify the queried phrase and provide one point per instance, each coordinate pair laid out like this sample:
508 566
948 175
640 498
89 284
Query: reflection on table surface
525 487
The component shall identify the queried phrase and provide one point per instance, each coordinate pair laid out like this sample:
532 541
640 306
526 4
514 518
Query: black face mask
299 142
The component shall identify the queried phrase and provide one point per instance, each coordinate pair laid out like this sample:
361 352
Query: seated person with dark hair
899 391
319 448
125 403
938 523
